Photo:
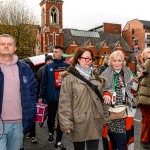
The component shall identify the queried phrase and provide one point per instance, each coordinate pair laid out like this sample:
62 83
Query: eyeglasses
86 59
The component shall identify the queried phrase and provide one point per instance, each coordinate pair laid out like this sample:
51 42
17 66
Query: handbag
118 112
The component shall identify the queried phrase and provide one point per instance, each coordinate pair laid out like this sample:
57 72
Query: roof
146 24
44 1
97 39
84 33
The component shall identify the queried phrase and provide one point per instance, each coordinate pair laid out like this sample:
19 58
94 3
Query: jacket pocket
78 118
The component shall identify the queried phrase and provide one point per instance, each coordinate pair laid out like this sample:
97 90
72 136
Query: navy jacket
28 90
48 89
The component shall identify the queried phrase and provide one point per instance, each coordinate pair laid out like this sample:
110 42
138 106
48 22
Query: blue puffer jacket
28 89
48 90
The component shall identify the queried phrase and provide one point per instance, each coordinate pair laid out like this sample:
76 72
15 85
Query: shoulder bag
92 86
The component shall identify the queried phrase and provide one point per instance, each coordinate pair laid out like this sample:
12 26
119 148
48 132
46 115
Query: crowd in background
80 99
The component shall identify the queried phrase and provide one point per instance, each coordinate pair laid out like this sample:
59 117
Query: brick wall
134 29
112 28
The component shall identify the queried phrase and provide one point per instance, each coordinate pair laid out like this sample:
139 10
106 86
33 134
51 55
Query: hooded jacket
28 90
48 90
143 94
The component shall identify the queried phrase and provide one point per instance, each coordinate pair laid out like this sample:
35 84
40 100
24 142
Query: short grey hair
10 36
115 54
145 52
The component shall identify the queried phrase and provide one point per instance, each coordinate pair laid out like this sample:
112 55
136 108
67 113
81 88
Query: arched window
105 53
54 38
54 16
38 47
42 17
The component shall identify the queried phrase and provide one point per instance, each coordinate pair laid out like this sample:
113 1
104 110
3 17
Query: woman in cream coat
81 112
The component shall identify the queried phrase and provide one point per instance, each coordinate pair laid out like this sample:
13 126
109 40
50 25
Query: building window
54 15
148 37
133 31
38 47
105 53
42 18
54 39
148 45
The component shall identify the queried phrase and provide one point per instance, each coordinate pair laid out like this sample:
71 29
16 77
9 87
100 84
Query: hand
67 131
40 100
140 73
107 99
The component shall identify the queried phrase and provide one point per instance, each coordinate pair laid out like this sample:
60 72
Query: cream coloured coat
80 110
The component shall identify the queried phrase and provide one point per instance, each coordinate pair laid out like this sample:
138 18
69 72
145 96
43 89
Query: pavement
42 136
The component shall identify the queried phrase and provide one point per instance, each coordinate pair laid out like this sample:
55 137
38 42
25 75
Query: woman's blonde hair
114 54
144 53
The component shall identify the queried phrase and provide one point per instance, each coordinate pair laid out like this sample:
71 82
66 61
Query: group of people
76 95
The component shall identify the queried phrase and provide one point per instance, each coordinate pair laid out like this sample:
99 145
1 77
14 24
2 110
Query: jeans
90 145
118 140
12 138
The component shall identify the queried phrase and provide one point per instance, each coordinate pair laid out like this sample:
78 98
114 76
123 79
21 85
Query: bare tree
21 22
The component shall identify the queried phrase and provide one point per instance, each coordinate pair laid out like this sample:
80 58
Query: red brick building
103 40
50 32
137 35
137 30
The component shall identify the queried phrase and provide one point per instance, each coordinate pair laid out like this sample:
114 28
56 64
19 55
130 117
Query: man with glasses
17 95
50 90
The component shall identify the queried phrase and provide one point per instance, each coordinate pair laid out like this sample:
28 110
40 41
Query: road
42 135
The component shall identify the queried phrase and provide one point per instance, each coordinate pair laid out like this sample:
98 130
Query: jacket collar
58 61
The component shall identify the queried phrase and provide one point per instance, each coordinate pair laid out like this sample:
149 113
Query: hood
14 61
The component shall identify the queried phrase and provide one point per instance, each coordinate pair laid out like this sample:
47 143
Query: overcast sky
86 14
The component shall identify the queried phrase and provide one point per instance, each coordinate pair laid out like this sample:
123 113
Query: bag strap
92 86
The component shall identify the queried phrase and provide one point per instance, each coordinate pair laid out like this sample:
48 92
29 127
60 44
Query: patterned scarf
108 74
85 72
118 85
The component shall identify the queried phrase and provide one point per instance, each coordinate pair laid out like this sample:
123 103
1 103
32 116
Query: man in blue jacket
18 89
50 90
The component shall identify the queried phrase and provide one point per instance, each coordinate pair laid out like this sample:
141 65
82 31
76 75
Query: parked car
39 60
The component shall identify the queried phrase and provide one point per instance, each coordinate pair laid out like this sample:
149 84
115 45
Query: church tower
51 25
